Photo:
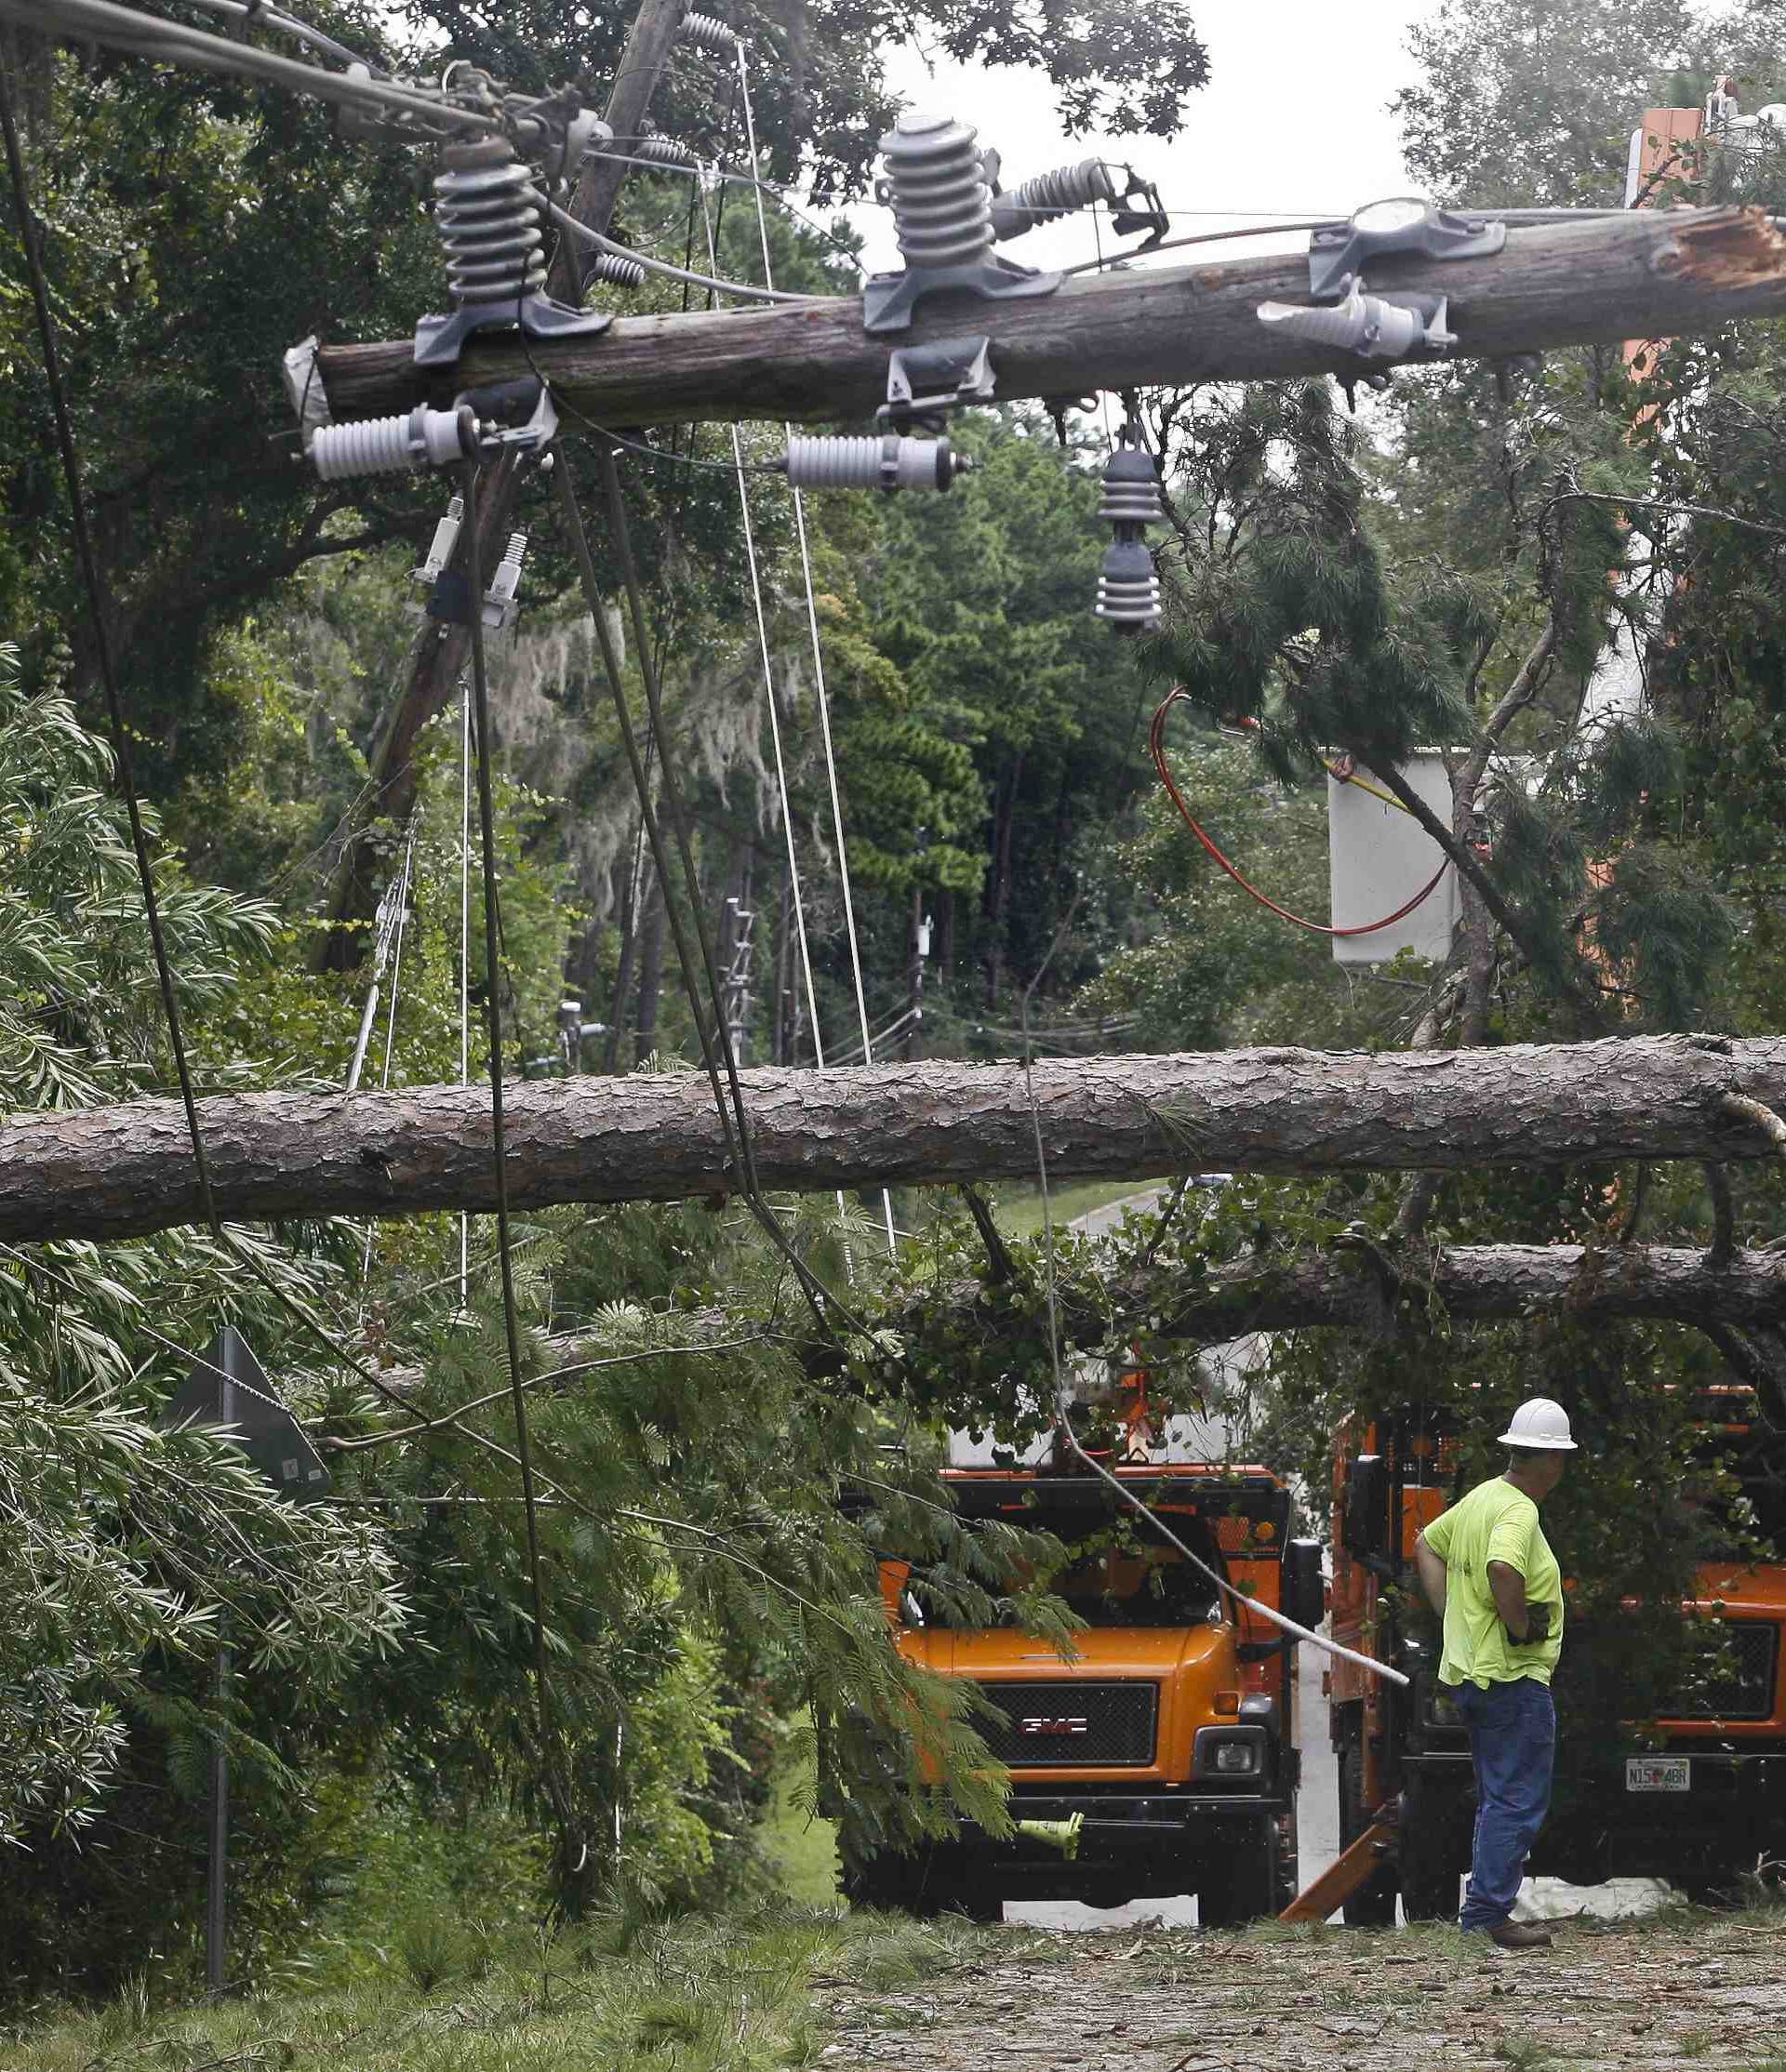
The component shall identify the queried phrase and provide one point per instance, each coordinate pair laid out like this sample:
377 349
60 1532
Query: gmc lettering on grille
1056 1726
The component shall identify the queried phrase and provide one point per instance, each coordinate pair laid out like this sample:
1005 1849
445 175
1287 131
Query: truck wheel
1373 1905
1239 1887
1430 1864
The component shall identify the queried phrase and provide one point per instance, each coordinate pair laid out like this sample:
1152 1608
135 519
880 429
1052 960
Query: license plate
1658 1773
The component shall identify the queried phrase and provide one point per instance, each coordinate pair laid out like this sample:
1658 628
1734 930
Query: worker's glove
1538 1626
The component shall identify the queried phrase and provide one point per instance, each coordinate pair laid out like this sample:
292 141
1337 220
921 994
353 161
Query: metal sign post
228 1387
217 1860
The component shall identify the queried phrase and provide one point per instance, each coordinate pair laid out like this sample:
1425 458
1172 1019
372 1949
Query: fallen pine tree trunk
127 1169
1353 1286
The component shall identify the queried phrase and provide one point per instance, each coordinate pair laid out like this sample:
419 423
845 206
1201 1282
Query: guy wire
487 819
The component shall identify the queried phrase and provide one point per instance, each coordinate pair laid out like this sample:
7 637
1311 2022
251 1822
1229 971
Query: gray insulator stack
708 32
1051 195
662 151
889 462
488 216
937 188
612 267
394 445
1128 589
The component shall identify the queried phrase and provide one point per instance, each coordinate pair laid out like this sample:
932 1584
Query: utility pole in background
442 650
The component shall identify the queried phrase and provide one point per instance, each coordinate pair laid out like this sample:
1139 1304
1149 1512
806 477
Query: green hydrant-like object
1062 1834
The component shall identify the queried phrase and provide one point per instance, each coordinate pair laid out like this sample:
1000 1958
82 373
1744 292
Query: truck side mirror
1367 1522
1303 1593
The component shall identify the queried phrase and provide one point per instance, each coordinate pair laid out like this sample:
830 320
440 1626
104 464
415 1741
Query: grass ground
1017 1209
869 1993
802 1847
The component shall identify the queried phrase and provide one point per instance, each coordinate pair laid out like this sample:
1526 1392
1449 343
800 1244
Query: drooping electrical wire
818 663
1156 744
492 977
1062 1418
566 221
828 1310
465 942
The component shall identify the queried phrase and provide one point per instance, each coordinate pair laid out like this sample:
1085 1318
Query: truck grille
1745 1692
1071 1726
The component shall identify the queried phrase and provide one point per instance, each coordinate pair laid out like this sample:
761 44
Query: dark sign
229 1388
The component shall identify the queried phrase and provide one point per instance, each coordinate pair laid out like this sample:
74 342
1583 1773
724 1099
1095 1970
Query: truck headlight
1231 1753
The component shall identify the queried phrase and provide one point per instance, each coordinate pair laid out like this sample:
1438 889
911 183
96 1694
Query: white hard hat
1543 1425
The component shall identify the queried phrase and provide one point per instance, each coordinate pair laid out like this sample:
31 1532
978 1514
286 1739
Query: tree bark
1474 1283
124 1171
1647 273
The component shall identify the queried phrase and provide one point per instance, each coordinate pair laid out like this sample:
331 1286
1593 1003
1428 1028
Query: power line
149 36
256 15
511 1326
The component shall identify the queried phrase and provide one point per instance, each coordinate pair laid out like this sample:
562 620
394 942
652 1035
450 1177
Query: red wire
1156 741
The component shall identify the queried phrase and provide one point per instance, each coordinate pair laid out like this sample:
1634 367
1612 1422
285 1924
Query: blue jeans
1512 1744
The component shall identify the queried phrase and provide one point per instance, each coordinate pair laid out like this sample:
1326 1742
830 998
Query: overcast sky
1293 120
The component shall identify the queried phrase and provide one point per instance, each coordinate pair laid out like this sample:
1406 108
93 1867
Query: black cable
827 1308
164 970
101 637
493 1009
622 536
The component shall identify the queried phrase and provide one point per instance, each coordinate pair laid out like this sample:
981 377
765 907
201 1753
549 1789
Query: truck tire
1373 1905
1239 1887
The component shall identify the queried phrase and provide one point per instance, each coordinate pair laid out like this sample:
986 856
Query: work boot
1513 1934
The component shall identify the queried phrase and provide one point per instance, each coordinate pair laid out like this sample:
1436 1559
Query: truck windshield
1124 1575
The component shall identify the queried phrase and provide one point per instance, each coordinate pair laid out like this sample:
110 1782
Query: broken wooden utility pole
1645 274
441 650
124 1170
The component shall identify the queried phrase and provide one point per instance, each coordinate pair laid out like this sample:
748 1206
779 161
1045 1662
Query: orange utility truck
1163 1751
1698 1797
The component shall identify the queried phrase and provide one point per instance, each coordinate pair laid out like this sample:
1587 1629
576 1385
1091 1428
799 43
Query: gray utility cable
174 43
1251 1604
492 979
1063 1421
259 16
566 221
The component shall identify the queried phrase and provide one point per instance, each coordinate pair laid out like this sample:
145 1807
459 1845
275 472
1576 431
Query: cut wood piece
123 1171
1648 274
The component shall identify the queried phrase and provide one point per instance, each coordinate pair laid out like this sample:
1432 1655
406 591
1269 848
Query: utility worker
1489 1574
